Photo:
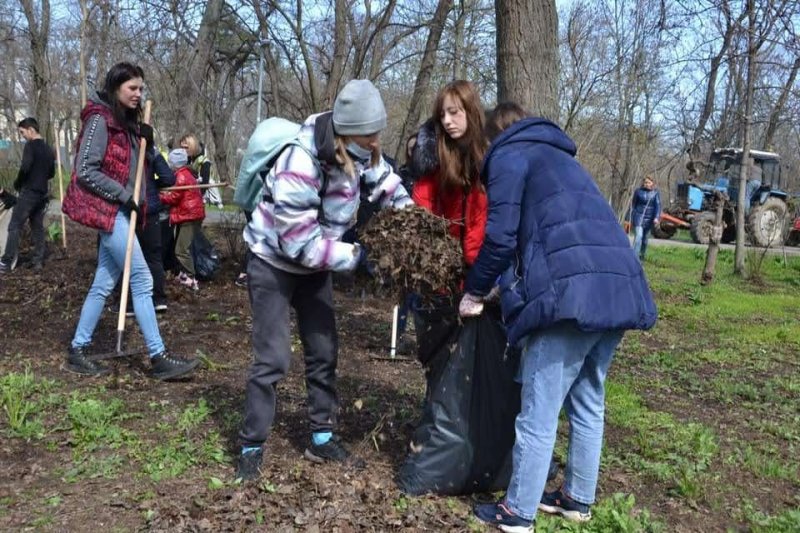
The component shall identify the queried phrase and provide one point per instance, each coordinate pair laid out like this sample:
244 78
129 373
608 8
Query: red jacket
186 205
82 205
466 213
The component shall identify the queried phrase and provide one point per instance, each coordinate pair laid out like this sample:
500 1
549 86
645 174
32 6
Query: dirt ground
379 401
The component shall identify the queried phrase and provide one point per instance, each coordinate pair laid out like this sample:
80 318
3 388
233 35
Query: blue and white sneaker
500 516
558 503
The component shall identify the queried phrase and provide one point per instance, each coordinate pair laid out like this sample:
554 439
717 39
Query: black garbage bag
464 440
206 257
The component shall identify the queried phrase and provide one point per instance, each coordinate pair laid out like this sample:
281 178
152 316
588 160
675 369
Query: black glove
146 133
131 206
17 184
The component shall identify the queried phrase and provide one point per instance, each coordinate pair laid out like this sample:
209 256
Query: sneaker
5 268
332 451
78 362
241 280
249 466
558 503
160 307
499 515
129 313
166 366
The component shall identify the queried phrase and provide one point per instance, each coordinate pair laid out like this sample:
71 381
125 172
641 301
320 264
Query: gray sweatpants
272 292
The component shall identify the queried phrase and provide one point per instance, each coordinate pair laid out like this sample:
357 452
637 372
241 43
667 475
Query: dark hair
120 73
29 122
460 160
503 116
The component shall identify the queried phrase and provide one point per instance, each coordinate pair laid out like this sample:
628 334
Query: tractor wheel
702 225
767 223
664 231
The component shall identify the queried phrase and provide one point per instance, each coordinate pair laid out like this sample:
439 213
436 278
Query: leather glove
386 188
470 306
146 133
131 205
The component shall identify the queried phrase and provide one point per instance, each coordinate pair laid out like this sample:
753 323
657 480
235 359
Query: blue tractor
766 210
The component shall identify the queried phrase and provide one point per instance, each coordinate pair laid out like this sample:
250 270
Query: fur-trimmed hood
425 155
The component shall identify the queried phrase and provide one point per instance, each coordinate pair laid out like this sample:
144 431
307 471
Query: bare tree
39 33
527 54
426 67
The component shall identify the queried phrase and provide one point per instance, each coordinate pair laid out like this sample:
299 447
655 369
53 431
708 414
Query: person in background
645 213
312 194
100 196
573 288
186 215
202 167
37 168
7 203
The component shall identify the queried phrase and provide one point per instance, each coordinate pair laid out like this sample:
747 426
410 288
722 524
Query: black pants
149 237
169 262
272 291
31 205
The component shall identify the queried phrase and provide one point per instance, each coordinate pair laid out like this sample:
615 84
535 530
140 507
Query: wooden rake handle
126 272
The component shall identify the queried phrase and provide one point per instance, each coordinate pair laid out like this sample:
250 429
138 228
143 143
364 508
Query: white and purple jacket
297 226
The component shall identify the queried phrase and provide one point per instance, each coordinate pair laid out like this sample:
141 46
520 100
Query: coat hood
425 155
533 130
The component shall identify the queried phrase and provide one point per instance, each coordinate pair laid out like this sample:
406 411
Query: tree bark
339 52
748 120
425 71
716 237
527 55
775 113
193 81
39 33
84 20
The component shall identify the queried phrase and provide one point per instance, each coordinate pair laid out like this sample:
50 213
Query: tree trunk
527 55
748 119
193 80
425 71
339 52
39 32
775 114
84 20
716 237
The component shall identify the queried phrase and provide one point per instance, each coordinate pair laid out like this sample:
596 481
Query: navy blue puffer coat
570 259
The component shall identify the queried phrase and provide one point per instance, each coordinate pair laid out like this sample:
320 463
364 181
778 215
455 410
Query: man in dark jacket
37 168
570 287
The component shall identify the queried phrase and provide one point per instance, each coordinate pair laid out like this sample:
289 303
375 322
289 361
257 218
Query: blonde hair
344 159
192 144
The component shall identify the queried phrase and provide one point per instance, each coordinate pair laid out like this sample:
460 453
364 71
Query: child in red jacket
186 215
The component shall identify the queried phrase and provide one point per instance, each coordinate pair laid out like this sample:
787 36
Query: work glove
131 206
146 133
470 306
386 188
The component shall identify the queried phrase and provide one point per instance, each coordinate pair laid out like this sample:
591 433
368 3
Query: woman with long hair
100 196
449 152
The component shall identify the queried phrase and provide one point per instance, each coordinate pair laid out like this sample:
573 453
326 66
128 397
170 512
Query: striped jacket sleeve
295 193
384 179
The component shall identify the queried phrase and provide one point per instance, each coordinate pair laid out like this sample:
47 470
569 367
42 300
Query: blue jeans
641 234
560 366
110 264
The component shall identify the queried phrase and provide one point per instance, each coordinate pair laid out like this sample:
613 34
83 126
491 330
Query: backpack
266 143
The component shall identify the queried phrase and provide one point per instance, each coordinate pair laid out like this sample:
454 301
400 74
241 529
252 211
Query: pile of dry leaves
412 251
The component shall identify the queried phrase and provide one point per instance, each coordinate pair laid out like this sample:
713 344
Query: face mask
359 153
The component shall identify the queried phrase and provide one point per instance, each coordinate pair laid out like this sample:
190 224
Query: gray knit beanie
358 109
178 158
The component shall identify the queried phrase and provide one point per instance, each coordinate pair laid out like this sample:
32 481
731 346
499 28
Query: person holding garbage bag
463 440
575 286
100 196
309 199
